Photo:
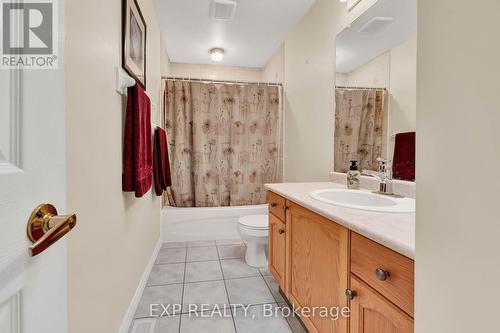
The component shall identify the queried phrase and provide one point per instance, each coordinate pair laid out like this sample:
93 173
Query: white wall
375 73
359 9
403 90
309 92
274 70
341 79
164 59
216 72
458 228
109 249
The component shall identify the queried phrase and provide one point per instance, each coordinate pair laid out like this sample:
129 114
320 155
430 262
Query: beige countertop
394 230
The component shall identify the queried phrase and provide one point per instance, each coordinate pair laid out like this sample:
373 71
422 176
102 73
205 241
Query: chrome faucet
384 176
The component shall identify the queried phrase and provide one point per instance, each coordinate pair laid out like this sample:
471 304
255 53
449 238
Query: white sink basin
365 200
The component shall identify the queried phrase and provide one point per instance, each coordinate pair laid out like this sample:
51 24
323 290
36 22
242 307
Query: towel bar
123 81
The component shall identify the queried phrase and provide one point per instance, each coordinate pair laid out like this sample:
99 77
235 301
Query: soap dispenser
353 176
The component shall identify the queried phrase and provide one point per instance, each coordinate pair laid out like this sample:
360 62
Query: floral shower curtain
359 122
224 141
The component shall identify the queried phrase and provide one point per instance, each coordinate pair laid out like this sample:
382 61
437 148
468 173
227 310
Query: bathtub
204 223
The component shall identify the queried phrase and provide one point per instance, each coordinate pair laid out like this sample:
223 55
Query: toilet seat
255 222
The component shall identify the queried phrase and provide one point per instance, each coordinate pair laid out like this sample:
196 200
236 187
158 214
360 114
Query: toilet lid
254 221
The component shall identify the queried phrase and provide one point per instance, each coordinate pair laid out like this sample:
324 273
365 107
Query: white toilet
253 229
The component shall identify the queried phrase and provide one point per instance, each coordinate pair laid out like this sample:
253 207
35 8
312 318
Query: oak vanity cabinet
277 249
381 288
372 313
277 237
317 266
307 250
319 263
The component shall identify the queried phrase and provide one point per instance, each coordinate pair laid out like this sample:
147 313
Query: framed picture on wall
134 41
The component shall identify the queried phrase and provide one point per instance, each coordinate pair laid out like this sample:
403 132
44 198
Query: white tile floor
212 273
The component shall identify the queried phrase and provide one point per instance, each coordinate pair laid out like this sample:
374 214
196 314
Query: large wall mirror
375 112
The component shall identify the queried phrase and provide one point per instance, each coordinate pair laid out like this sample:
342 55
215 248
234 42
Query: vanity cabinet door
317 266
277 234
277 205
396 282
372 313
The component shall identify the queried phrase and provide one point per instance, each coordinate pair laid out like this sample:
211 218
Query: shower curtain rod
359 88
221 81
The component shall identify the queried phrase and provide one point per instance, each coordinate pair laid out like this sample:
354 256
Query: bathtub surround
204 223
117 233
224 141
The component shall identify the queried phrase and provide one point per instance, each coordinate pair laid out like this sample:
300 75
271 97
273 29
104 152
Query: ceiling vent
376 24
222 10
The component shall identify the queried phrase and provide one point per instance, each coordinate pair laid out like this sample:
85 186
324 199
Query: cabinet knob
281 231
381 274
273 204
285 207
350 294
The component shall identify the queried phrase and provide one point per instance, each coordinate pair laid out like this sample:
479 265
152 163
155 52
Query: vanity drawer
277 206
388 272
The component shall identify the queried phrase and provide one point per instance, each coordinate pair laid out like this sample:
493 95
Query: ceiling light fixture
217 54
343 0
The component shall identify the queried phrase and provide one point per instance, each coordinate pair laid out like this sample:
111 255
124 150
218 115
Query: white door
33 290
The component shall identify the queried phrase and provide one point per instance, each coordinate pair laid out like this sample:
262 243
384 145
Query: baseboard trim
129 316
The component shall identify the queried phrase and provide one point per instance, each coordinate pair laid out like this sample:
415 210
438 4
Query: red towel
137 150
161 164
404 156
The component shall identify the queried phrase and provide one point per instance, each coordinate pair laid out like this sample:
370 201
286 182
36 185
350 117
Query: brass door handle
45 228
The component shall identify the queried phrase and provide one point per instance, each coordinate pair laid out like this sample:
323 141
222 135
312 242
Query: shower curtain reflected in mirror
359 128
225 142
